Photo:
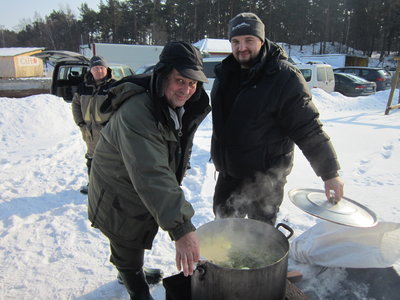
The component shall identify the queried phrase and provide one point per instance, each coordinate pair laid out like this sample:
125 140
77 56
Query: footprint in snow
387 151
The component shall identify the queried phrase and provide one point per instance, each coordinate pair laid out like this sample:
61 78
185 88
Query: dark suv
69 73
70 69
380 76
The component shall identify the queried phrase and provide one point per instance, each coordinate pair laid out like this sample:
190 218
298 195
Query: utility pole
395 80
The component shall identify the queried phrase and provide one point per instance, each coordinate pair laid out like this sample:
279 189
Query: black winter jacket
269 112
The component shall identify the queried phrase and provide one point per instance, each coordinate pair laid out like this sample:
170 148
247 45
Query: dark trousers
258 197
126 258
129 262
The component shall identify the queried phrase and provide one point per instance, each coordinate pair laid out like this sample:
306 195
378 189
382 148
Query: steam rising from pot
240 243
258 197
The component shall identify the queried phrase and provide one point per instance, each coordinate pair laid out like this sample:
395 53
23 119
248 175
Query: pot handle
202 271
287 227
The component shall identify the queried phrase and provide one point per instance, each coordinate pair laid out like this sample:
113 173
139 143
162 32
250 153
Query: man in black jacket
261 108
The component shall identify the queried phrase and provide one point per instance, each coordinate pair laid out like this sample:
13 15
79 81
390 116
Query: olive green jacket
138 165
86 105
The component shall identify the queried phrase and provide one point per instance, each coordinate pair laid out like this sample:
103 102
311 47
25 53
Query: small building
214 47
17 62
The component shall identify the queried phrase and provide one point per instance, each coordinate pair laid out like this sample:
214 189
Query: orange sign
28 61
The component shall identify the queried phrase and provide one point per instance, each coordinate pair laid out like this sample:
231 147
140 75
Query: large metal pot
243 259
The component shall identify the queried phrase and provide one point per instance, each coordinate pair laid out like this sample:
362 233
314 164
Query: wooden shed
17 63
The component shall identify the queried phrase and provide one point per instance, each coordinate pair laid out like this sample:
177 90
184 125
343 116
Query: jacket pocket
130 223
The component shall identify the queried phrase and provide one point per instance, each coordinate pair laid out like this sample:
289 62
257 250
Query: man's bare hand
336 185
187 252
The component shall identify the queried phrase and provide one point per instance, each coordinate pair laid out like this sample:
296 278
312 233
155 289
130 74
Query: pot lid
345 212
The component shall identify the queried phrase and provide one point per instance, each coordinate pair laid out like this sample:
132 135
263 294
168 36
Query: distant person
261 108
86 106
140 160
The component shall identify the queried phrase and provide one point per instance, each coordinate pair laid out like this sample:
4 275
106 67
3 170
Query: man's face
245 48
98 72
178 89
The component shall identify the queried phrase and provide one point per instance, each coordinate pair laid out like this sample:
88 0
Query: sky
13 13
48 248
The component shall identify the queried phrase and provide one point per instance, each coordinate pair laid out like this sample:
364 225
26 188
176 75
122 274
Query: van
318 75
209 64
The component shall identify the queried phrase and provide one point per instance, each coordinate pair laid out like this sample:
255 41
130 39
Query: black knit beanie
246 24
98 61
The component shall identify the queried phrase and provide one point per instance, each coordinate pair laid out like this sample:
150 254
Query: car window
353 71
117 73
321 74
66 79
145 69
68 72
307 73
128 72
366 73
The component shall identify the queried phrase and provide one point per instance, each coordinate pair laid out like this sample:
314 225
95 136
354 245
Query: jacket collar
157 93
89 80
124 89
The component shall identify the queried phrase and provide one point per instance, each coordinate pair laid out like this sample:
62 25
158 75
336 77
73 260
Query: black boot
84 189
136 284
153 276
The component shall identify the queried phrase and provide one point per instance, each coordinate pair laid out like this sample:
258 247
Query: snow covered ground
49 251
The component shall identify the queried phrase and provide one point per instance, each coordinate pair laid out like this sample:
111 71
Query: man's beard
246 63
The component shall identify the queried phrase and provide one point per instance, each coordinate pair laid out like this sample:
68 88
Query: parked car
70 69
69 74
318 75
146 69
351 85
380 76
120 71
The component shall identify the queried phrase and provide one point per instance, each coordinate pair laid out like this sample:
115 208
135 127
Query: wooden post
395 80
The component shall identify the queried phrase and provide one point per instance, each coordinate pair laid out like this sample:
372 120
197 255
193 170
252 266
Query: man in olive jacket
86 105
261 108
140 161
